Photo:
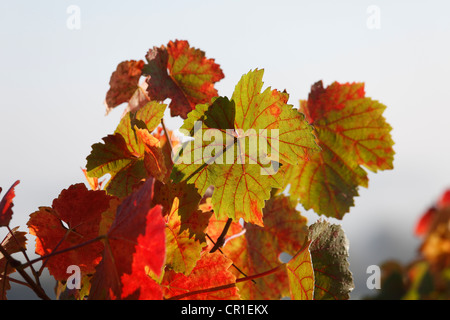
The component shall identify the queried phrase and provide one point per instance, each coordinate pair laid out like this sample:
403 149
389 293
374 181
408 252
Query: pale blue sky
53 82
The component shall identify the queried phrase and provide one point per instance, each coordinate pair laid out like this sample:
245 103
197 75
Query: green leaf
301 275
329 251
183 252
123 154
238 146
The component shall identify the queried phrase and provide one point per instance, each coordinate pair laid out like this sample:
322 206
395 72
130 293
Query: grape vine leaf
124 84
184 199
259 249
352 132
130 154
212 270
183 252
134 248
241 173
329 251
12 243
81 211
183 74
301 275
6 205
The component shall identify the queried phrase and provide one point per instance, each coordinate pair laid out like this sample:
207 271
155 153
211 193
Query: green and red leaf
130 154
259 248
352 132
243 175
301 275
183 74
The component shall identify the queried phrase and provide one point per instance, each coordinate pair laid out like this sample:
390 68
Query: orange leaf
211 271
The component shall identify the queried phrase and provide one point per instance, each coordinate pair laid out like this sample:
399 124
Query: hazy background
53 81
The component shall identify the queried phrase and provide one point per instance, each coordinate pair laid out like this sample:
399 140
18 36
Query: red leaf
182 74
123 83
444 201
135 246
81 210
6 205
424 222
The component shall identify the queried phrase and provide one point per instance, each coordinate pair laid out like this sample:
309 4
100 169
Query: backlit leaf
183 74
258 130
259 249
352 132
81 211
130 154
134 245
301 275
6 205
183 252
211 271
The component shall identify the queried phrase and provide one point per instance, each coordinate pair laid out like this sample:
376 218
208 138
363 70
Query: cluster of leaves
428 276
159 229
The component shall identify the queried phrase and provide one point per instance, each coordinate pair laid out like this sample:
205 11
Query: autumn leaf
329 251
134 247
12 243
301 275
183 252
183 74
436 244
211 271
124 86
73 219
131 153
183 199
238 166
352 133
259 249
6 205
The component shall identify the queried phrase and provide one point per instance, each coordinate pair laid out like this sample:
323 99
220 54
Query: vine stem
221 239
227 286
20 269
35 274
15 281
